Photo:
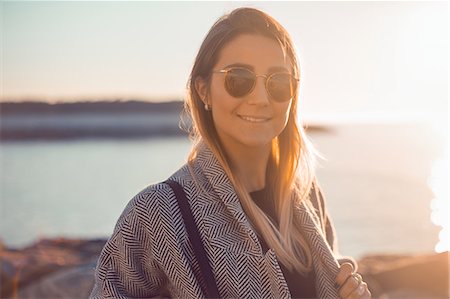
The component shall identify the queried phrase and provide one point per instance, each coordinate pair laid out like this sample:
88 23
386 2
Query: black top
299 286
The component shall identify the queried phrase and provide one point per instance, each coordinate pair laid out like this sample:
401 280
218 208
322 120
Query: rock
418 276
24 267
74 282
64 268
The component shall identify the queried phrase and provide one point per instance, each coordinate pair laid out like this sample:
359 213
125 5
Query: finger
361 292
350 285
345 271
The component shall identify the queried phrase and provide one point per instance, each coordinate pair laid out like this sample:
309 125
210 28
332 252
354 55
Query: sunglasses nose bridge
263 76
263 94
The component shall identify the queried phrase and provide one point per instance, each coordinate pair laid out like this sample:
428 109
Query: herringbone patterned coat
149 254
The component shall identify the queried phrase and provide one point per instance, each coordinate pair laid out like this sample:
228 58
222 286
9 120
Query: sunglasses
239 82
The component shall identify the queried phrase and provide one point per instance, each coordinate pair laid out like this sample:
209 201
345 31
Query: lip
254 118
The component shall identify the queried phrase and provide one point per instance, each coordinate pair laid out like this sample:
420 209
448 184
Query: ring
361 289
358 277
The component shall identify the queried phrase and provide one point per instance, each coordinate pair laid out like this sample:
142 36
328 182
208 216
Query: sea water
375 180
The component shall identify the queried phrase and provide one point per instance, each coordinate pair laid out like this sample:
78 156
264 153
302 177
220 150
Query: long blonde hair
290 171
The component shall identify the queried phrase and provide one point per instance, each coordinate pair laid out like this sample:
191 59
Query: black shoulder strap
194 237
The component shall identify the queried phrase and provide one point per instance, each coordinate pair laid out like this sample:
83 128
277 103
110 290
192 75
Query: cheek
222 108
221 101
284 111
216 94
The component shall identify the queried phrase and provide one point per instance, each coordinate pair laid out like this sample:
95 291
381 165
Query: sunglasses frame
266 79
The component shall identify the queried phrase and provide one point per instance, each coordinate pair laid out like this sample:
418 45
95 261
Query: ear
202 89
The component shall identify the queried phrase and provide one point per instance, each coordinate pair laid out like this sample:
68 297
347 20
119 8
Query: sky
359 59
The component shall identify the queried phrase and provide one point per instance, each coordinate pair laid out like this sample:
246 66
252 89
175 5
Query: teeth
253 119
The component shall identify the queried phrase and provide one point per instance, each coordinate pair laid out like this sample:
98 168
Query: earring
207 107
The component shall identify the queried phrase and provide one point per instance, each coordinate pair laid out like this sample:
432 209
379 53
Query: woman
249 182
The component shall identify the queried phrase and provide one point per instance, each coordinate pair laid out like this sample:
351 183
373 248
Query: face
254 119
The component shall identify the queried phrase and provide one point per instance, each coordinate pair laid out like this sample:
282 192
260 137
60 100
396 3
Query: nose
259 95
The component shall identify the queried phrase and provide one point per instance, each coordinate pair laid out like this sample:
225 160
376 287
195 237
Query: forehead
259 52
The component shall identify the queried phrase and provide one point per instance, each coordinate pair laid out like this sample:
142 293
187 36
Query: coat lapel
325 264
224 189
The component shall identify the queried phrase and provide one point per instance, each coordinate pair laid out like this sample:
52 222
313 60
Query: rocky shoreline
64 268
132 119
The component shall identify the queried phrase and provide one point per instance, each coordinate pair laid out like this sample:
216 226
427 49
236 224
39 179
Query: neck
249 164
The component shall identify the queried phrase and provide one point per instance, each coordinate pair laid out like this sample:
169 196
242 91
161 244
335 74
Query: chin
255 143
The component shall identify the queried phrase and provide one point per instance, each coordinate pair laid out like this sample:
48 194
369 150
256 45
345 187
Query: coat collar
222 186
325 264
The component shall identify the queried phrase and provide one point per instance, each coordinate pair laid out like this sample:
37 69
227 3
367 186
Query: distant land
86 107
101 119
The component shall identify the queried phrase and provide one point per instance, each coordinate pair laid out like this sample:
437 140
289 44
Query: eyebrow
277 69
243 65
250 67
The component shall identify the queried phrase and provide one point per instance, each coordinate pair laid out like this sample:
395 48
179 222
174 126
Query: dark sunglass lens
239 82
281 87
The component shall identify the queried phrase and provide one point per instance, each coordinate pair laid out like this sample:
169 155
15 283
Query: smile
254 119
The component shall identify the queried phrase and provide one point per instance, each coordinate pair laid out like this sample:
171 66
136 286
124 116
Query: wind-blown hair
290 171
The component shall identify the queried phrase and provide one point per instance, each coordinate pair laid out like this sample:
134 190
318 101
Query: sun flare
438 183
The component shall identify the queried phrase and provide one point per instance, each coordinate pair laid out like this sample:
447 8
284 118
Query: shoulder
317 199
313 198
142 208
314 203
154 200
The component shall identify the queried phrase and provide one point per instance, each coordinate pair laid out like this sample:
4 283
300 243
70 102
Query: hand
350 283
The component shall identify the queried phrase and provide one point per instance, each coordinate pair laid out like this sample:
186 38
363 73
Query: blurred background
91 94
